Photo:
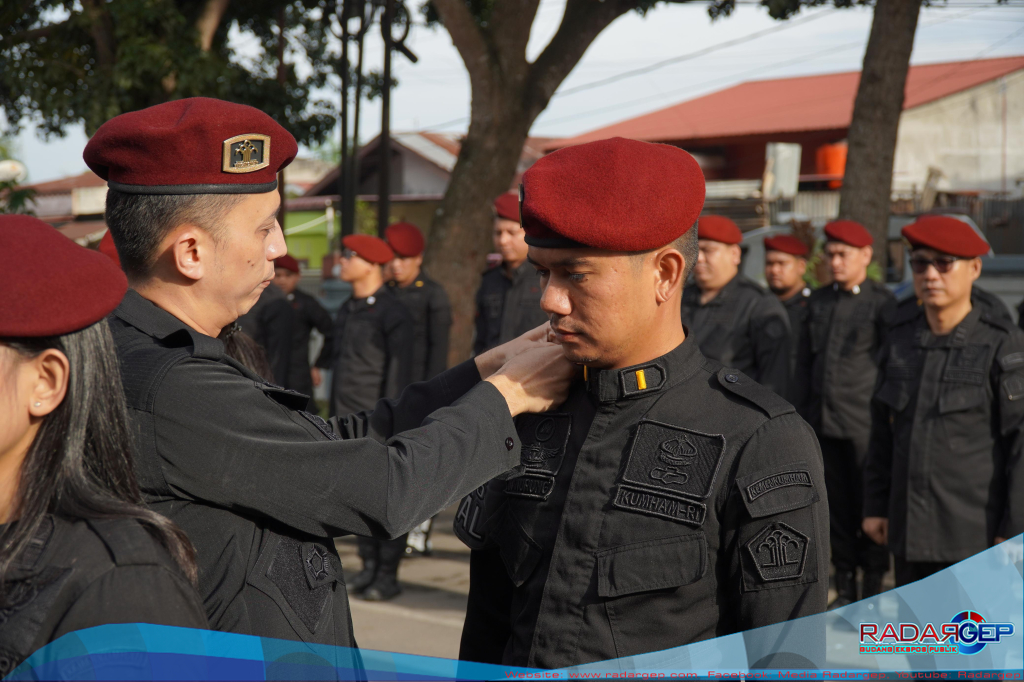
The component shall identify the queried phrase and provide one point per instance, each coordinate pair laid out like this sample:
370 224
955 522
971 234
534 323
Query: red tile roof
786 105
65 185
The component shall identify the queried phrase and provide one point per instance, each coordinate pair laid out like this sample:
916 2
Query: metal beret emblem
246 153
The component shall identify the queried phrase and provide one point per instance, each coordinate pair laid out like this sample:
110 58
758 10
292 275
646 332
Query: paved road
427 617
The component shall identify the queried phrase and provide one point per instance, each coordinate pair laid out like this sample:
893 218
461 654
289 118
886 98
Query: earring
37 404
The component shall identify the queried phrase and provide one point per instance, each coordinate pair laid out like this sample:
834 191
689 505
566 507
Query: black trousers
912 571
844 481
387 553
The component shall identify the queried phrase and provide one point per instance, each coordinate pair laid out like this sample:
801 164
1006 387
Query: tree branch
466 35
509 29
101 27
582 22
209 21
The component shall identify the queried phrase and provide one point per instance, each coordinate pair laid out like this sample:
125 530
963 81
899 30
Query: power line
693 55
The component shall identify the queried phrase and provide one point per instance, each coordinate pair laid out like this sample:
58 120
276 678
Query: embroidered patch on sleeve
775 481
544 438
779 552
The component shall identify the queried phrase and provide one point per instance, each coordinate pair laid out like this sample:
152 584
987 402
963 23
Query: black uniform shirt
744 327
80 574
372 352
945 459
641 519
846 331
507 308
309 315
261 487
798 309
431 312
271 323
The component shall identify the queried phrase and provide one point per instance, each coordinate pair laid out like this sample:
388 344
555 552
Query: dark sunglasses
348 253
943 264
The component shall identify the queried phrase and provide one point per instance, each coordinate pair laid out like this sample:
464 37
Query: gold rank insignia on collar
246 153
419 282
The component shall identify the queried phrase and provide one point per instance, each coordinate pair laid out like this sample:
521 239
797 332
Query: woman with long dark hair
77 548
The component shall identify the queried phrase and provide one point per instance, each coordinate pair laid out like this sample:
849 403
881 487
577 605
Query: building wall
963 136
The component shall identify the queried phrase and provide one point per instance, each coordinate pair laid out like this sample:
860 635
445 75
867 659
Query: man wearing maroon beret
945 473
259 485
508 301
645 509
307 315
785 263
427 302
845 331
733 319
425 299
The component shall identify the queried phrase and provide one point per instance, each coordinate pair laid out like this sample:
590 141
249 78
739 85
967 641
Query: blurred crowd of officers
649 448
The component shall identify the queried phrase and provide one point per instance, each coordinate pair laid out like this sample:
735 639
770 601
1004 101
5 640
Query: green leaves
64 63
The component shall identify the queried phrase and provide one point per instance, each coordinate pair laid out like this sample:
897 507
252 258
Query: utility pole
384 191
346 228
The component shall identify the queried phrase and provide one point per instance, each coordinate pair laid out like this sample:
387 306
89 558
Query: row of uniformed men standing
924 414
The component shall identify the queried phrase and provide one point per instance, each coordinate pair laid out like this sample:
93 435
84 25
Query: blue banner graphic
962 623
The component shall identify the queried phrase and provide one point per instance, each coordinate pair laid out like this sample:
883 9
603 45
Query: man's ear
669 266
191 251
737 254
870 251
975 265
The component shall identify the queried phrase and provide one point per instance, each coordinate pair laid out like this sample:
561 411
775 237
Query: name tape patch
533 486
662 505
776 481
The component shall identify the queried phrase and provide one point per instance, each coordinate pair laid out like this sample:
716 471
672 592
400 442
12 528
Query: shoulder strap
127 541
738 383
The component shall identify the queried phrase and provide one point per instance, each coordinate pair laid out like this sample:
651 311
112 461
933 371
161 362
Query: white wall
963 136
419 176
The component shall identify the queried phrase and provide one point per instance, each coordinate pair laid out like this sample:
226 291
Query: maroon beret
191 146
786 243
107 248
286 262
848 232
372 249
507 206
718 228
51 285
617 194
405 239
946 234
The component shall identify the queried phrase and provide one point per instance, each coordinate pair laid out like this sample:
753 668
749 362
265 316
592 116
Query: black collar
955 339
648 378
156 322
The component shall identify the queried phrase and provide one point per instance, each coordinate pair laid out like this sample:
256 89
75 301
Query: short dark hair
685 244
139 222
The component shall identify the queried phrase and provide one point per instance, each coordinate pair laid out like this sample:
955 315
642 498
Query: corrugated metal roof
787 105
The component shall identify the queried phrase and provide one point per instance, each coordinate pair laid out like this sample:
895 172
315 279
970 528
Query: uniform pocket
651 565
519 551
895 394
960 399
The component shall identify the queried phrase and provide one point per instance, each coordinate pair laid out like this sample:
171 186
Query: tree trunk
867 184
460 236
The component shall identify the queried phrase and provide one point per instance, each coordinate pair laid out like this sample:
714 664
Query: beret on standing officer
508 301
425 299
261 486
944 477
845 332
785 263
669 499
77 548
732 319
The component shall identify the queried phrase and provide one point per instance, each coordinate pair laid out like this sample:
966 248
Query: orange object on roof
787 105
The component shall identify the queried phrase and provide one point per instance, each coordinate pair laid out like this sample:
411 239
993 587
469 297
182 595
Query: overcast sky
434 93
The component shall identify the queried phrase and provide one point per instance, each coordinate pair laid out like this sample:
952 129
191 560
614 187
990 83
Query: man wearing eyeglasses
846 328
944 478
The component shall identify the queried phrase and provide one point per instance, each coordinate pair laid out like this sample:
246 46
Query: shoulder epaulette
906 311
997 322
740 384
127 541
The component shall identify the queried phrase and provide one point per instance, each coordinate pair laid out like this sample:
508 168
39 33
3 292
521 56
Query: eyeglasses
348 253
943 264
